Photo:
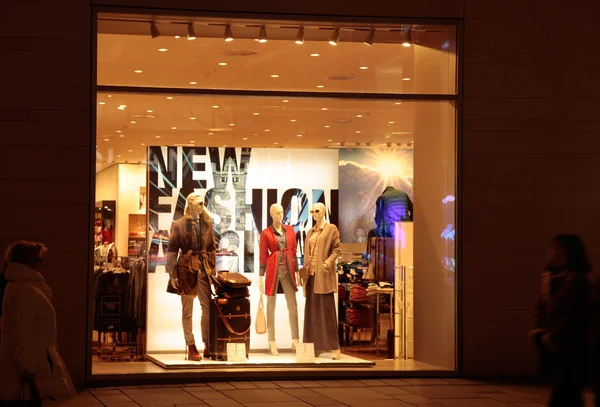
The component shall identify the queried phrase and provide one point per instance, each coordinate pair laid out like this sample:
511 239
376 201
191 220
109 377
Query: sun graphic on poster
390 166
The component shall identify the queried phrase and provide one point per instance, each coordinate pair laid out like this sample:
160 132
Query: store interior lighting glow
335 37
370 38
315 55
407 39
191 33
162 50
102 103
300 36
228 33
154 32
262 34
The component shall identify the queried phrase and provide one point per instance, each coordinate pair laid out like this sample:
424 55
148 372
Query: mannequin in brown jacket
193 232
320 256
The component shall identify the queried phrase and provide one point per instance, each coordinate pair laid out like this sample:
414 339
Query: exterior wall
529 149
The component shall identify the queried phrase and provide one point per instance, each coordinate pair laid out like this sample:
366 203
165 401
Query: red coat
269 256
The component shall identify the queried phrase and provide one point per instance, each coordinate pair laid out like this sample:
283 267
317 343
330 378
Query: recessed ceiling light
244 138
177 37
118 156
210 134
359 115
224 145
364 68
274 76
256 114
223 63
121 135
398 103
406 79
324 108
138 71
315 55
157 136
327 126
298 135
228 33
267 130
162 50
285 101
102 103
119 131
169 98
192 141
143 144
133 122
330 140
357 131
173 128
130 151
293 120
232 124
391 122
193 83
320 86
275 143
105 139
149 111
192 118
109 96
262 34
215 107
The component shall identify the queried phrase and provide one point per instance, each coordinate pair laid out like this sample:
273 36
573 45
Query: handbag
187 274
34 396
261 321
233 280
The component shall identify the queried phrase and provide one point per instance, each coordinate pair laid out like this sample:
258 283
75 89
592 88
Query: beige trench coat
327 252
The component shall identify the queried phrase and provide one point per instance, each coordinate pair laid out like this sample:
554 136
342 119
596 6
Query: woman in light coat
28 328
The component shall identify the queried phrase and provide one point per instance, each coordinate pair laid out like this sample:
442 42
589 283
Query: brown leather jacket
196 235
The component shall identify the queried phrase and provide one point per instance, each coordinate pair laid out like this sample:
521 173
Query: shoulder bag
261 321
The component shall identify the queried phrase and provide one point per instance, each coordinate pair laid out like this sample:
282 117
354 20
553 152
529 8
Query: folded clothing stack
359 316
358 293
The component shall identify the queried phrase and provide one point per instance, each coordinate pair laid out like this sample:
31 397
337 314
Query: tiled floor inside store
352 393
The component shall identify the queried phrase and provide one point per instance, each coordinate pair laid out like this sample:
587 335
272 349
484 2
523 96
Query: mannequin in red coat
278 264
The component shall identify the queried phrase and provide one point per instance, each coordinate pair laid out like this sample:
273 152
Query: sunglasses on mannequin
315 211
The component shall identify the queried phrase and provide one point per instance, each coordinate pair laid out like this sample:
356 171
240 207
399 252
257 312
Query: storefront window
247 152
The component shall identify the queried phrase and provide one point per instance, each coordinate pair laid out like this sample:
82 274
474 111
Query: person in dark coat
562 319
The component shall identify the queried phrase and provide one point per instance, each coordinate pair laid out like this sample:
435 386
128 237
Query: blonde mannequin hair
189 198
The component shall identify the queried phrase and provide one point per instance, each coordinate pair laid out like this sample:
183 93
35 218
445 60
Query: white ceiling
298 123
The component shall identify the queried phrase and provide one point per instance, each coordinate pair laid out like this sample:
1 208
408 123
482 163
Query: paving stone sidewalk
333 393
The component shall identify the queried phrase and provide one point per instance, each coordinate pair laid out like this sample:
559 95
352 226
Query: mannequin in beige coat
28 333
322 248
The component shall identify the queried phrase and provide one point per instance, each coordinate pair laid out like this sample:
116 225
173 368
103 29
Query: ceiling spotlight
300 36
228 33
154 30
320 86
138 71
391 122
327 126
315 55
130 151
192 118
262 34
162 50
192 141
398 103
359 115
193 83
119 131
157 136
285 101
274 76
102 103
364 68
293 120
191 33
244 138
177 37
267 130
407 39
330 140
149 111
324 108
222 63
298 135
143 144
173 128
232 124
215 106
357 131
370 38
169 98
121 135
335 37
133 122
406 79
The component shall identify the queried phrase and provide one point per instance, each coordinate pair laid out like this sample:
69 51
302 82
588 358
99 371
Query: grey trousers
289 291
187 307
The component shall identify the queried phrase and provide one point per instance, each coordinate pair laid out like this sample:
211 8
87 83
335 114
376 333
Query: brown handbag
233 280
261 321
187 274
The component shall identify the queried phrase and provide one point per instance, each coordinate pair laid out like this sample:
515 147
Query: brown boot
206 352
193 353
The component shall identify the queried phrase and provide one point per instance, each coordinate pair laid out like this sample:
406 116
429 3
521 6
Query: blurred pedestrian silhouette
562 320
28 334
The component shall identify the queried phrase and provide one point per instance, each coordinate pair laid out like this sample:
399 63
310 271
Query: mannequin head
194 204
276 212
318 212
